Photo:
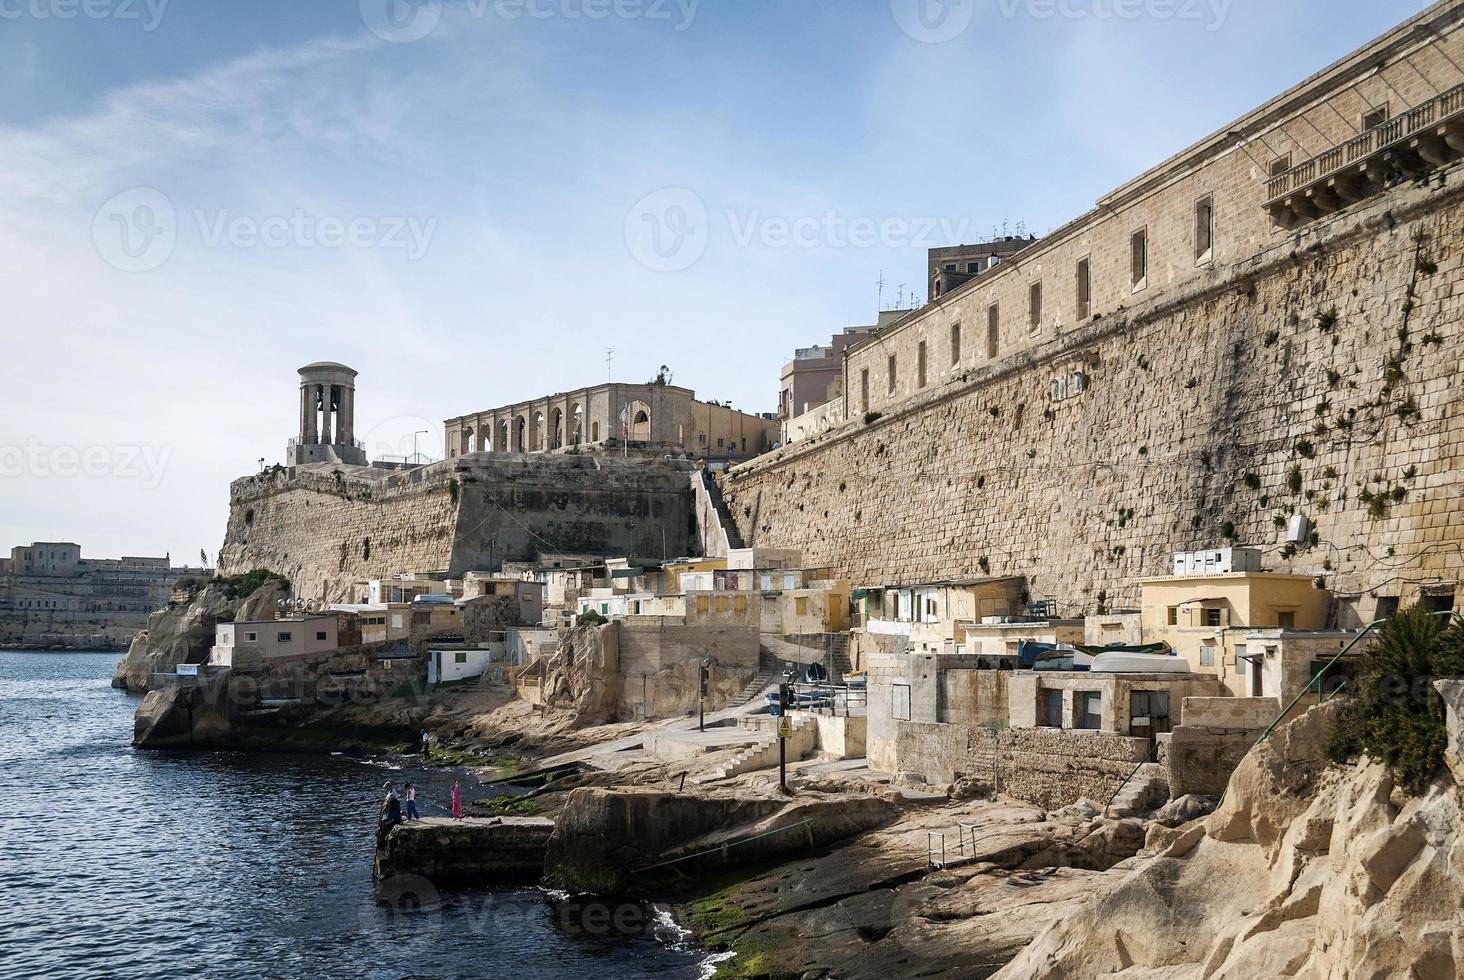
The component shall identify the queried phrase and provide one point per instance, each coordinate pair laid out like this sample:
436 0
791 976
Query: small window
800 606
721 603
993 331
1173 615
283 637
900 702
891 370
1034 305
1085 294
1087 710
1375 118
739 603
1051 709
1212 617
1207 655
864 390
920 365
460 657
1139 258
1204 228
1240 659
973 267
702 603
1280 165
320 635
1286 620
950 267
955 344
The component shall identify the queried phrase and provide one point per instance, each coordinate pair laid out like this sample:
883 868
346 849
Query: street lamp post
416 456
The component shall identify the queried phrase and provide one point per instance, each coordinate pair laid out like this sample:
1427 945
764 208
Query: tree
663 377
1393 713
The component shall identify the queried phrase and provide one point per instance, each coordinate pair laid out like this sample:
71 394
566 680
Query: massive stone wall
1320 377
330 529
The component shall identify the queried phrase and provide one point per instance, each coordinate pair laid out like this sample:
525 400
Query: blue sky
199 196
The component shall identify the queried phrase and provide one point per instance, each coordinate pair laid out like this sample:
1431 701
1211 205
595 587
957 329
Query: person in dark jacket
390 816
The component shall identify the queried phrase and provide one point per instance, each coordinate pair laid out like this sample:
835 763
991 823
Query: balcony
1415 142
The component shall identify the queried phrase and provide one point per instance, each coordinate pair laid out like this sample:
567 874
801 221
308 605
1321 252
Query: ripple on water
231 864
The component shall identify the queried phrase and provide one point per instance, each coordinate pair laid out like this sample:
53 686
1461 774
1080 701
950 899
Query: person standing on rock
410 792
426 745
457 799
391 815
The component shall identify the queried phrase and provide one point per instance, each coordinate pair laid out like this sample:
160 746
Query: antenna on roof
609 356
880 283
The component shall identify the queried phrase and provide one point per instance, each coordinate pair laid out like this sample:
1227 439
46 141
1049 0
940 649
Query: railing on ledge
1434 112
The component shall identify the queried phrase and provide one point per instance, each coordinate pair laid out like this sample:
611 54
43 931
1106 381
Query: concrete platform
474 851
679 745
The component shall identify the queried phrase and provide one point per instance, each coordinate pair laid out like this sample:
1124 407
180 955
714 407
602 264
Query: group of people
402 808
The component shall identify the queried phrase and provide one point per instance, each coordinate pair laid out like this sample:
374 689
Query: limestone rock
1181 811
1306 870
184 634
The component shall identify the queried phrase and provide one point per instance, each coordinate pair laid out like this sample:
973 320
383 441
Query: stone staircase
1147 789
764 753
724 515
765 676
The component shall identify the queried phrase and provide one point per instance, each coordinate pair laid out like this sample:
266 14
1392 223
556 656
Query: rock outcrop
1306 869
583 673
184 634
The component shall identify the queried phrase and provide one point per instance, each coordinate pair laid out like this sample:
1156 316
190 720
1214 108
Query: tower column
347 424
327 430
311 435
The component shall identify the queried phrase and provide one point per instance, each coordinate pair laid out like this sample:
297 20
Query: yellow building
672 571
1192 612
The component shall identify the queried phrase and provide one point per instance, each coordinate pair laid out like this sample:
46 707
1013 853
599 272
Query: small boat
1126 662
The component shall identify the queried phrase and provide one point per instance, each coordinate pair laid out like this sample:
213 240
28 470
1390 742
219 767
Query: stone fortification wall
1318 378
329 529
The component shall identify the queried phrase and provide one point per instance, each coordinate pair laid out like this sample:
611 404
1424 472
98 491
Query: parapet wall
1047 767
1319 378
329 529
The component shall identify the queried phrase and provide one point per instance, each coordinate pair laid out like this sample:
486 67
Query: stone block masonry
1319 378
330 529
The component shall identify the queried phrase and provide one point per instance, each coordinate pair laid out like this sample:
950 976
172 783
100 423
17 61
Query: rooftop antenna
900 296
1022 228
609 357
880 283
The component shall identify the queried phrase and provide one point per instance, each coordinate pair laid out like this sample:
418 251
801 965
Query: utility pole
609 357
701 708
416 457
785 729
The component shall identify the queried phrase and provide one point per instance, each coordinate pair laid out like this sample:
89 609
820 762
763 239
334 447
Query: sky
469 201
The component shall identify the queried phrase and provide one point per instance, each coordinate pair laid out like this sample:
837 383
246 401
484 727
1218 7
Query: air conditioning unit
1184 563
1298 529
1223 561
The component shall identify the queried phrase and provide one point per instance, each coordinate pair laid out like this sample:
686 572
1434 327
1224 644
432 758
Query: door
1148 714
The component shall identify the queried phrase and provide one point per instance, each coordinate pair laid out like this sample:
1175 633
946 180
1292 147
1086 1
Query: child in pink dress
457 800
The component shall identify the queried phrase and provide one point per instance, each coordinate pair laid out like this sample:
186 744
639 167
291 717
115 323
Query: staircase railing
1153 747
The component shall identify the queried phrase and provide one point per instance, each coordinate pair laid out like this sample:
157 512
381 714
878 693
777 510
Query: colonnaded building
52 597
1256 341
656 414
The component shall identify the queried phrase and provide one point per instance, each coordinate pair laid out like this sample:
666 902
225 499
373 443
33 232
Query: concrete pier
472 851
